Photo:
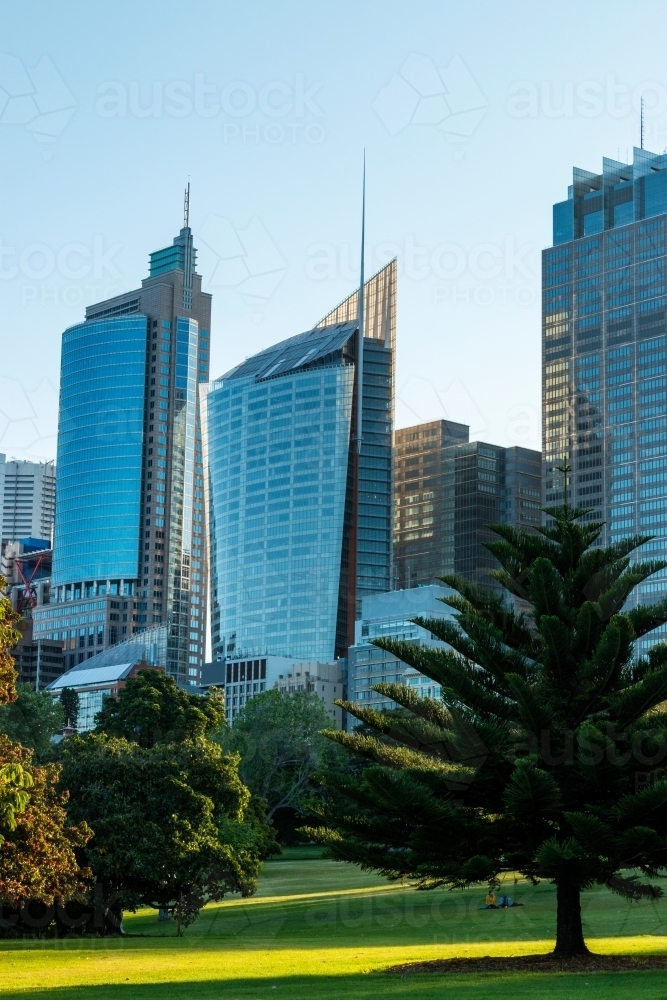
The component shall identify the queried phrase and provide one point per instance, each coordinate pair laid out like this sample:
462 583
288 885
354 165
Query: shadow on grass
604 986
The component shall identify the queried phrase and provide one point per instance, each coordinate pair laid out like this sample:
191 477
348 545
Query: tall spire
360 336
641 124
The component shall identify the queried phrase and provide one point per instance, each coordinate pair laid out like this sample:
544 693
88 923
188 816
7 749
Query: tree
9 636
69 699
278 739
542 756
37 843
151 708
168 821
32 720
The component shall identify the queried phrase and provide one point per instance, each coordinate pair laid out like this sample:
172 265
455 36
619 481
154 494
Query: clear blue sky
472 115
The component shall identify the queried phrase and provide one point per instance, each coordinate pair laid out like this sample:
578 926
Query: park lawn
317 929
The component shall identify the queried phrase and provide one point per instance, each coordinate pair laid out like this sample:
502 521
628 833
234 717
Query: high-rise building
605 351
129 547
300 511
421 544
447 493
28 496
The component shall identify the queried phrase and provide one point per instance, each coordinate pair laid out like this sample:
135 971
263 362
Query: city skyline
278 211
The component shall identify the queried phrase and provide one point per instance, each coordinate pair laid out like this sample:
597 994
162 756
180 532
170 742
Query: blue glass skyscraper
129 547
300 517
605 352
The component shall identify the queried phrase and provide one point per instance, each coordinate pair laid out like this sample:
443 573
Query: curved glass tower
129 546
300 517
100 470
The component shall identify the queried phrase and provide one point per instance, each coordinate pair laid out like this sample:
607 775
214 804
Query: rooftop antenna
186 207
641 123
360 339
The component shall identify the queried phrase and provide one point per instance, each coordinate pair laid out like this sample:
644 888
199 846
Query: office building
605 352
38 662
300 518
446 495
243 679
28 497
389 616
421 544
129 546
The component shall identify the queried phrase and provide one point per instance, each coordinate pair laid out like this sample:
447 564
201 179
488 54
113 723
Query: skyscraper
28 492
300 517
605 350
447 493
421 544
129 542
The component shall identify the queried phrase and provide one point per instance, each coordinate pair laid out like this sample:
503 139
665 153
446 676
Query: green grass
325 930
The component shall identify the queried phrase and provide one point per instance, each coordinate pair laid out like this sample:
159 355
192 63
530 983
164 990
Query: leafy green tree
69 699
32 720
546 754
37 842
278 739
167 820
151 708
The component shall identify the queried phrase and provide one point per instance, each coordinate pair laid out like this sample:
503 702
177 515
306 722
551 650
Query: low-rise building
244 678
104 675
389 616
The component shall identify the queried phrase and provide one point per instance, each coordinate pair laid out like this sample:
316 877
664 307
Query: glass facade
605 353
130 485
388 616
423 541
300 516
446 496
100 450
278 472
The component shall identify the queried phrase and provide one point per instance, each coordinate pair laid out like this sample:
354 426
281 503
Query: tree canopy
544 755
37 842
32 719
167 820
151 708
278 738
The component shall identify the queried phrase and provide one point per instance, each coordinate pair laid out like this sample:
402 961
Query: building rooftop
84 676
303 351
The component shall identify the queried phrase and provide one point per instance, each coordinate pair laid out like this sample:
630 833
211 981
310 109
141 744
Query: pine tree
546 754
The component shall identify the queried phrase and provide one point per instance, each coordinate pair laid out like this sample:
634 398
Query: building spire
641 123
360 336
186 207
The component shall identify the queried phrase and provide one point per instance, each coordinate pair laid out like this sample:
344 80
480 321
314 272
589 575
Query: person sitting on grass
490 901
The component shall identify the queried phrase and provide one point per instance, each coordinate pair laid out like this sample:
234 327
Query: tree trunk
569 932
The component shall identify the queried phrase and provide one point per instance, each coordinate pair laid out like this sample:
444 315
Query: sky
472 115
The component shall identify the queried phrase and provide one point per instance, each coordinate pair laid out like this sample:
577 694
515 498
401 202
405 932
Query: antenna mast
360 335
641 124
186 208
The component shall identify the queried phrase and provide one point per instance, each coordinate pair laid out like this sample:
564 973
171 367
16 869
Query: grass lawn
317 929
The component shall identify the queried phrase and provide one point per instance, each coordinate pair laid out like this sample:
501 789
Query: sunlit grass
325 930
